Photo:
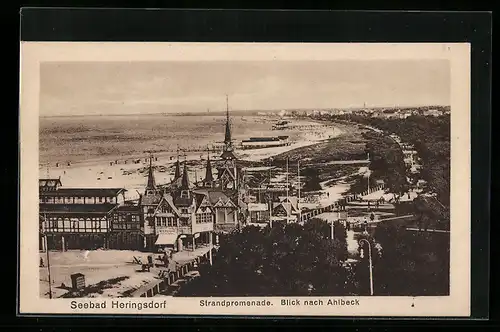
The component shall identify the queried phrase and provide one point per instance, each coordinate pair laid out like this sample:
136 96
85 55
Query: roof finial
227 137
227 107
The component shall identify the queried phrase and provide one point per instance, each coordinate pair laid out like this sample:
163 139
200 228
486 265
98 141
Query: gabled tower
227 153
151 185
227 137
185 183
177 169
209 179
177 166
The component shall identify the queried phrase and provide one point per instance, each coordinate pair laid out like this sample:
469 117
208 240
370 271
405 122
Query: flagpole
298 180
287 179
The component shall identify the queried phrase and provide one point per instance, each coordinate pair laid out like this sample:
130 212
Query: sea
102 138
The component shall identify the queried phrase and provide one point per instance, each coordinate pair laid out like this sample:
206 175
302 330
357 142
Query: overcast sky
154 87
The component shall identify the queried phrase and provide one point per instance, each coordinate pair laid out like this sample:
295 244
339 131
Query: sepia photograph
318 179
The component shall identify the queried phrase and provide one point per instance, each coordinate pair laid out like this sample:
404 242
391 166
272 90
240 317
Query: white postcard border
456 304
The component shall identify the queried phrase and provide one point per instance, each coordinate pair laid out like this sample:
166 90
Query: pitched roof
214 195
228 154
199 199
433 204
150 200
170 201
291 199
49 182
77 208
289 208
228 170
183 201
84 192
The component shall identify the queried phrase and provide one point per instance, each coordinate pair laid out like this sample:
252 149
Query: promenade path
102 265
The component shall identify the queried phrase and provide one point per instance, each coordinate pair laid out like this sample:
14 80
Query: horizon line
249 110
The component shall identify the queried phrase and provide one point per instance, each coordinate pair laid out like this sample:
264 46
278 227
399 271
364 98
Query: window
204 218
52 223
100 199
158 221
170 221
74 225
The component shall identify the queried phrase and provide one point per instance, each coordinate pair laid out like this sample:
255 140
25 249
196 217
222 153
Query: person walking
166 259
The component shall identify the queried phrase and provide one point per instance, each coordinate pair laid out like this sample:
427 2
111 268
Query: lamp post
332 230
45 238
210 248
370 262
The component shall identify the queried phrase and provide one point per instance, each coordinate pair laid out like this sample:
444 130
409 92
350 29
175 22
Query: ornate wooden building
76 218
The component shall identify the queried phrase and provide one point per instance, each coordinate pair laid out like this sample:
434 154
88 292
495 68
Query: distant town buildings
433 112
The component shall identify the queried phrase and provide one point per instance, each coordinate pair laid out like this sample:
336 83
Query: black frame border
197 25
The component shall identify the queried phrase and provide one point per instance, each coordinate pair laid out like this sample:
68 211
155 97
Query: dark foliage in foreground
291 260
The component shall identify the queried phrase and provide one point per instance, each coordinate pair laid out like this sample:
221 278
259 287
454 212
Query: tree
312 181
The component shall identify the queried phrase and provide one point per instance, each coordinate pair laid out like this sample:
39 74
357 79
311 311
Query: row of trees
295 260
431 138
291 260
387 162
